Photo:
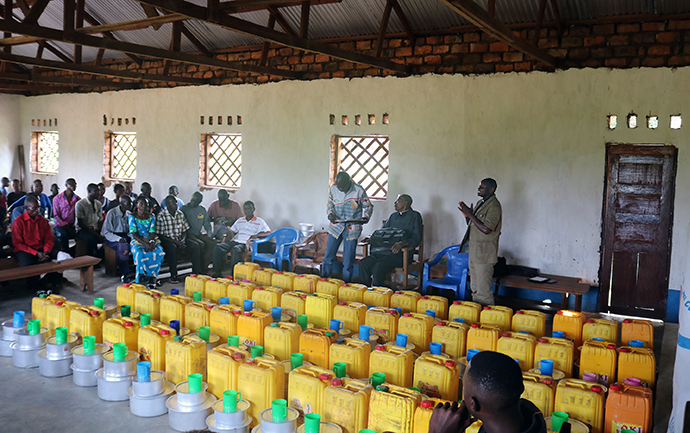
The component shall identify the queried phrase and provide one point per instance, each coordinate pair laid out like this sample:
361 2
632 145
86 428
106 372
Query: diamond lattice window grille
224 160
47 152
365 159
124 156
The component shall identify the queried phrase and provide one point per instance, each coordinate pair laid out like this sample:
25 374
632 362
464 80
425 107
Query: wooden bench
85 265
563 285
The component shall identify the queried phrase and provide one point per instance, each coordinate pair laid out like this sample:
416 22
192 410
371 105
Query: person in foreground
492 386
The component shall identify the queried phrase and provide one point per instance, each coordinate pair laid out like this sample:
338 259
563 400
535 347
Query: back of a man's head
495 380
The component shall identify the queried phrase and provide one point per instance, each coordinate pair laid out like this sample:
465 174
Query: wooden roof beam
35 12
404 21
304 20
490 25
106 34
238 6
89 69
73 81
557 17
250 29
383 27
142 50
282 22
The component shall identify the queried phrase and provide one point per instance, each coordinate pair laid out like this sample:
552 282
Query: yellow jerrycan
559 350
540 390
406 300
453 336
437 376
223 364
637 329
148 302
223 320
354 353
439 304
281 339
39 304
383 322
306 386
392 408
284 280
352 292
498 316
125 294
305 283
216 288
172 308
195 283
352 314
329 286
184 356
267 297
466 310
582 401
346 404
483 337
396 362
260 380
244 271
315 345
378 296
293 304
57 314
197 314
570 323
422 415
531 321
151 342
87 321
250 327
121 330
319 308
418 328
606 330
600 358
637 362
262 276
238 292
519 346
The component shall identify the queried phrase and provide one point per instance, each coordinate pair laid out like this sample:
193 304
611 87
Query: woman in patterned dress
146 249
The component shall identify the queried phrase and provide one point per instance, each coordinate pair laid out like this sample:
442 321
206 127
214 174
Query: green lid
234 341
312 423
330 334
177 338
145 319
99 302
196 296
42 295
125 310
273 325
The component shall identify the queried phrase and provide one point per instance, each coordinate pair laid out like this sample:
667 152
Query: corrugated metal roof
349 18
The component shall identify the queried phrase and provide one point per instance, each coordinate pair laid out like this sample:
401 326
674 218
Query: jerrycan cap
627 321
174 291
247 313
345 285
342 303
259 288
237 355
615 387
125 285
209 306
486 308
303 296
427 404
336 382
380 347
93 312
459 319
324 279
250 360
128 324
519 312
330 334
610 346
193 275
548 381
58 303
324 376
213 279
595 388
522 331
560 312
383 388
450 363
236 312
424 297
301 275
235 283
543 340
398 292
407 315
475 325
505 334
155 295
279 272
457 302
625 349
177 338
441 323
589 321
164 332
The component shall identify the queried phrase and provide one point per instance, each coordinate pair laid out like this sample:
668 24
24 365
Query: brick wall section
650 44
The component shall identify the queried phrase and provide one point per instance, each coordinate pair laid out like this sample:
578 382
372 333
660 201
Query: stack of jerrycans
262 276
377 296
570 323
519 346
466 310
223 320
351 314
195 283
637 329
184 356
57 314
603 329
406 300
149 302
305 283
172 307
582 401
39 304
540 390
396 362
498 316
559 350
453 336
531 321
267 297
483 337
151 344
439 304
238 292
260 380
346 404
281 339
637 362
315 345
250 327
628 407
329 286
355 354
351 292
383 322
223 365
216 288
87 321
319 308
418 328
600 358
293 304
437 376
392 408
306 386
244 271
284 280
125 294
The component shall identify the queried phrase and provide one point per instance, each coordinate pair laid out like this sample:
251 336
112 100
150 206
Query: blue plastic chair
456 275
283 238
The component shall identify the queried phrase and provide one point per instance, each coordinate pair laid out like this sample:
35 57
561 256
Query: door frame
605 262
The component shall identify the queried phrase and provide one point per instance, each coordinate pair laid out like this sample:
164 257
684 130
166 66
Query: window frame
35 155
204 147
108 156
335 161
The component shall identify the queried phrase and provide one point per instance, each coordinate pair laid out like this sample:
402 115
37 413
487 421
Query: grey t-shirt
197 218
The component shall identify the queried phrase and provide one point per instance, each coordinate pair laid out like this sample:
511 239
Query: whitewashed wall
542 136
9 135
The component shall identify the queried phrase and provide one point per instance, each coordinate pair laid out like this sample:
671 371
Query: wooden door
637 224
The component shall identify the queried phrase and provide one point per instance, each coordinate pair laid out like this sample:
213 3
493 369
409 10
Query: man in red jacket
33 240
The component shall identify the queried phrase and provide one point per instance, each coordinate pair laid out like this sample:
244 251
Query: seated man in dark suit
33 240
384 258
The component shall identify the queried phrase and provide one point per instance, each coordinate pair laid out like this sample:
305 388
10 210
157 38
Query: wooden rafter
151 12
404 21
384 25
540 21
98 70
84 82
282 22
35 12
248 28
34 87
490 25
143 50
491 8
238 6
264 50
79 24
106 34
557 17
304 20
195 41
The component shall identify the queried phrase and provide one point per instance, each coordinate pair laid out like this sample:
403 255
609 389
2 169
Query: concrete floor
32 403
